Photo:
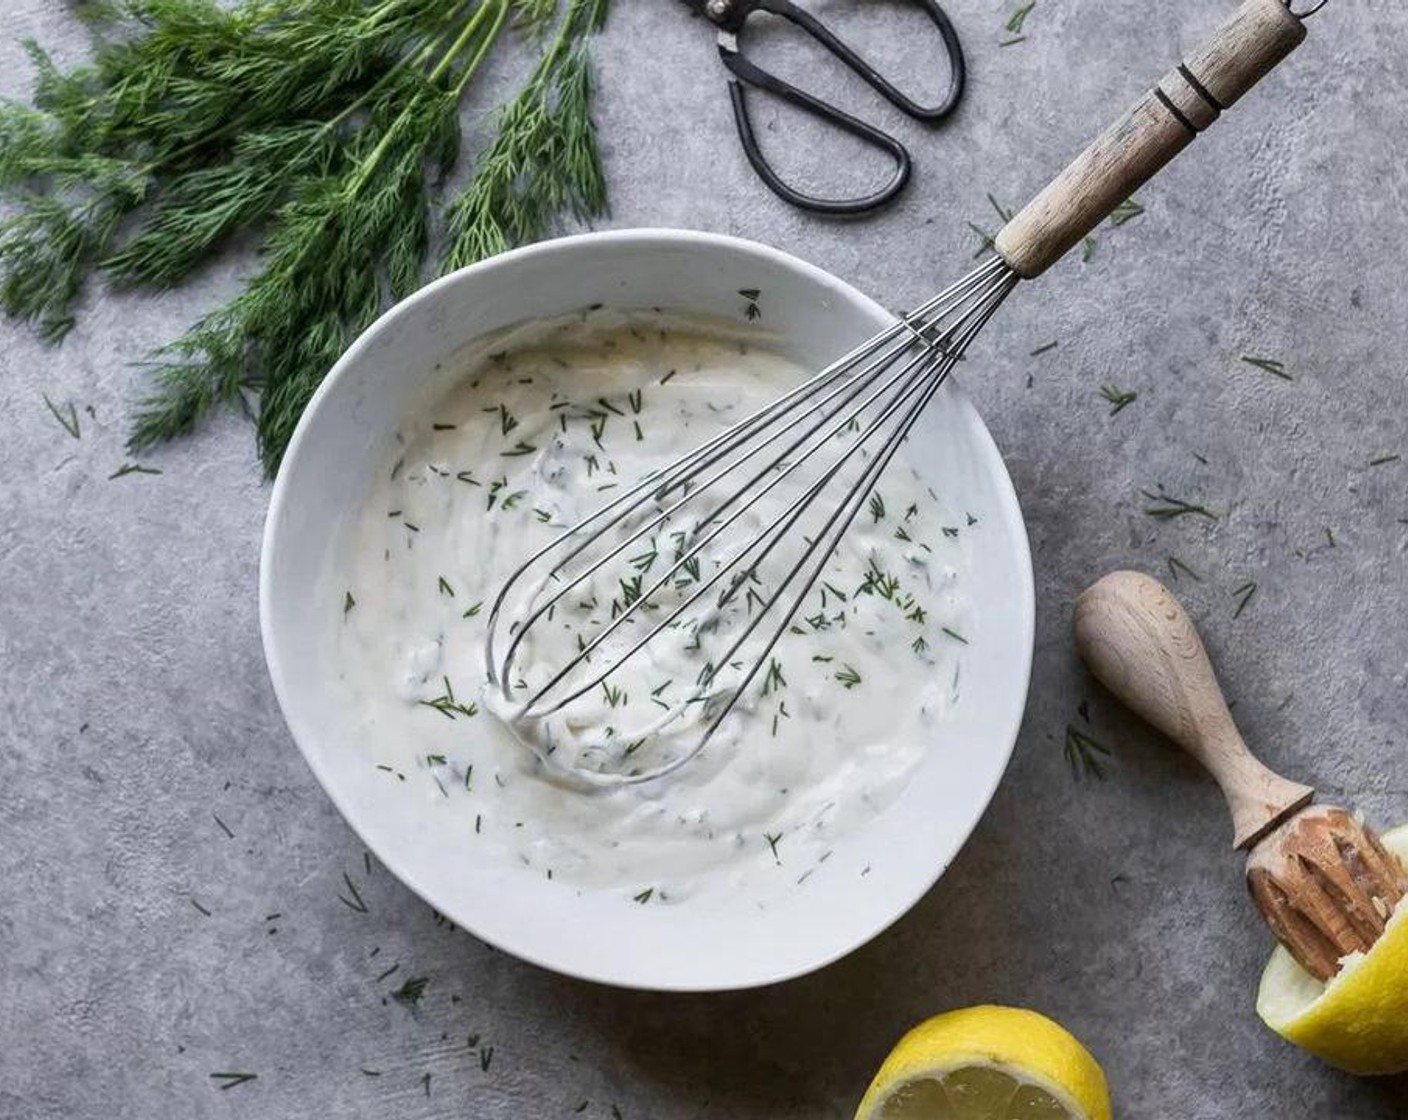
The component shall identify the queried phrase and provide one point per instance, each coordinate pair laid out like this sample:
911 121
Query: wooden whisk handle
1162 123
1141 644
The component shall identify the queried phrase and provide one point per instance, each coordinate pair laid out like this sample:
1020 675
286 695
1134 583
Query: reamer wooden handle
1141 644
1162 123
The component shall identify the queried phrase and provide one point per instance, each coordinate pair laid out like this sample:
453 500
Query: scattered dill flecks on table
1126 211
355 902
1166 507
1013 41
230 1080
1084 755
1087 249
324 130
1243 595
1119 399
201 908
1268 365
1019 17
411 992
223 826
69 422
1383 460
1175 565
348 602
988 240
644 896
132 468
1045 347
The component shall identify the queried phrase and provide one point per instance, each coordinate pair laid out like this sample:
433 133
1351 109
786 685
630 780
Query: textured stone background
136 707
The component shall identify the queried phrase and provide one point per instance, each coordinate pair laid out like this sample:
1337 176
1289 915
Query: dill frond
202 206
543 160
48 249
534 15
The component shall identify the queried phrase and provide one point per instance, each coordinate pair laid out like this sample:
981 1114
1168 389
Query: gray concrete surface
136 707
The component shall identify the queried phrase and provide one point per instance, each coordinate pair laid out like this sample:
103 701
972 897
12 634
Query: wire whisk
750 518
834 433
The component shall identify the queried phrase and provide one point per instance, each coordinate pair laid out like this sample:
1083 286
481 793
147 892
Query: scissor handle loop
746 74
872 77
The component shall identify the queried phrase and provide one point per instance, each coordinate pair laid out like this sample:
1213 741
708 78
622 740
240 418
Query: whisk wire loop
875 392
779 473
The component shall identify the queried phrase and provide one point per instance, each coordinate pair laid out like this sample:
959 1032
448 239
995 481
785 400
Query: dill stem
367 168
565 29
373 159
500 9
419 58
472 66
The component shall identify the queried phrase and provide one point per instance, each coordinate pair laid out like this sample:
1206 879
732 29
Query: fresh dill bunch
201 102
326 128
199 70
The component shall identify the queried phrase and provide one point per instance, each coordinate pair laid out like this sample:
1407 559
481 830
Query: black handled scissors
730 16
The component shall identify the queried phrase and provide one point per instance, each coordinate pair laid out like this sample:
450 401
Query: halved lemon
1358 1020
987 1063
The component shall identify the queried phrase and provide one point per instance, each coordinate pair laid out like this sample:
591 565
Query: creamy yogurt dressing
527 442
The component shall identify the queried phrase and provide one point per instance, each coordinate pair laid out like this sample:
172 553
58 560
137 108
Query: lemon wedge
1358 1019
987 1063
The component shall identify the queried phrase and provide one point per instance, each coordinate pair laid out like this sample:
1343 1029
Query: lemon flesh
987 1063
1358 1020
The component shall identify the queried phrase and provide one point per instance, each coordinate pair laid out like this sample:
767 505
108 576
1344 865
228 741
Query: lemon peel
988 1063
1358 1020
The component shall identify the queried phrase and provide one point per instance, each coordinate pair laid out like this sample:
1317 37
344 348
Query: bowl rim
1005 733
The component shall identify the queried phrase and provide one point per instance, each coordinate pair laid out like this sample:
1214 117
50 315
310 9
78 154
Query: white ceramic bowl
342 438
